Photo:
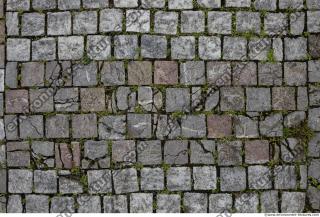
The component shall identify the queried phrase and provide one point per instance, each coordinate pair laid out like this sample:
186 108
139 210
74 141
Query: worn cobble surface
159 106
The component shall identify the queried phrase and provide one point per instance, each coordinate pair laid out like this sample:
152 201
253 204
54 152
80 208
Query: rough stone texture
160 106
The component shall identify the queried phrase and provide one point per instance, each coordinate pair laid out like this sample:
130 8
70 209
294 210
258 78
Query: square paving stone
45 182
313 22
112 127
295 48
177 100
183 47
168 203
89 204
153 46
125 181
194 126
285 177
295 73
247 203
248 22
84 126
232 98
192 72
165 22
99 47
293 202
276 23
258 99
94 150
20 181
229 174
59 23
149 152
139 125
115 204
152 179
44 49
141 203
272 125
138 21
14 204
176 152
179 179
220 203
270 74
70 48
219 22
99 181
18 49
204 178
219 126
139 73
32 74
246 127
195 202
259 177
283 98
33 24
85 22
69 186
92 99
57 126
192 21
37 203
18 159
62 204
234 48
85 75
111 20
113 74
41 100
244 73
254 157
269 202
17 101
209 48
229 153
124 152
31 127
202 152
165 72
66 99
219 73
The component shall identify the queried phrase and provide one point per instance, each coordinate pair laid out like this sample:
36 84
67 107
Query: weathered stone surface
179 179
168 203
195 202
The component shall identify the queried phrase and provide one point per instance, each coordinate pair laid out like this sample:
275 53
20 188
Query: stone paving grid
160 106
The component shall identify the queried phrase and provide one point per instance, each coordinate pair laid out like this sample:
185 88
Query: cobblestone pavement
160 106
